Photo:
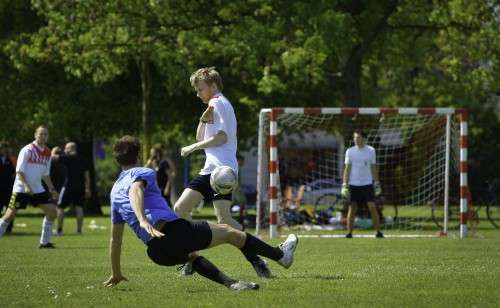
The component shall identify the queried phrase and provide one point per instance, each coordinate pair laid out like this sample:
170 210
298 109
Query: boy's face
205 91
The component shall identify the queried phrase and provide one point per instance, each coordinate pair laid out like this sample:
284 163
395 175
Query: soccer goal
421 158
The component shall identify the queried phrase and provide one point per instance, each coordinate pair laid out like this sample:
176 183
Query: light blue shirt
155 206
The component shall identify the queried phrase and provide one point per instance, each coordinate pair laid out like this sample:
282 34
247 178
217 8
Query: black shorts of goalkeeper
362 194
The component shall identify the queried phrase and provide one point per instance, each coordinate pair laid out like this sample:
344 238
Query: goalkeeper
361 183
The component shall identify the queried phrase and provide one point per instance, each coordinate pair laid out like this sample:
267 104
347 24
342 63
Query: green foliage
85 67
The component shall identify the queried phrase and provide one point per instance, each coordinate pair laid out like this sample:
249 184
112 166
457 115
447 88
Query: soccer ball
223 180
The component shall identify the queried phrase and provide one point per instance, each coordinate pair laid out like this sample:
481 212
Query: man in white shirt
216 135
361 181
33 166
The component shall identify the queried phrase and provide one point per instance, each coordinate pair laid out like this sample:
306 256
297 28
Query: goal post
421 157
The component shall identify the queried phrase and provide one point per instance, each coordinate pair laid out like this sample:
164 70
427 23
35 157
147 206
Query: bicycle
335 203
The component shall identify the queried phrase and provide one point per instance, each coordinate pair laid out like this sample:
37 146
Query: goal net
420 155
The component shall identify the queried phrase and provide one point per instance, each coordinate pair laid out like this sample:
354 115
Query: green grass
439 272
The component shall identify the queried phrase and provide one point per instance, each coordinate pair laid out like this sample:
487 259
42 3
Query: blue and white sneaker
288 247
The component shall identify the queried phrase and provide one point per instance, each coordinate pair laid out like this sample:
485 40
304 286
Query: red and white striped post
463 173
273 174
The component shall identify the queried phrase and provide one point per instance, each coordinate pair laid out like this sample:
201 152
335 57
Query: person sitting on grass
137 201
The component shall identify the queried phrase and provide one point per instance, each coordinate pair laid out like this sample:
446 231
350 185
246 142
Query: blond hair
208 75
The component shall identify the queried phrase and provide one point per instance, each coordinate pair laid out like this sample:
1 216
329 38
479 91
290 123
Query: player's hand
114 280
377 188
150 229
185 151
208 115
344 192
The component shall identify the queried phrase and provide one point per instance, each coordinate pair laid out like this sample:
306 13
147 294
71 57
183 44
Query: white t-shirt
34 162
361 160
225 120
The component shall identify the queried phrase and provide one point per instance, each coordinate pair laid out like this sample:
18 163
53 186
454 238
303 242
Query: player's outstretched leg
223 213
208 270
250 245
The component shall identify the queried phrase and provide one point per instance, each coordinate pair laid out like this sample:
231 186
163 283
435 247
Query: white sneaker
243 285
288 247
186 269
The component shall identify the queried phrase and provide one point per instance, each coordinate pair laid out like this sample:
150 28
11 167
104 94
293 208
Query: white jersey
34 162
361 160
223 120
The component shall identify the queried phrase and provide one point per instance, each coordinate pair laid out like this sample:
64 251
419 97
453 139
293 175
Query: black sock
253 246
208 270
59 230
251 257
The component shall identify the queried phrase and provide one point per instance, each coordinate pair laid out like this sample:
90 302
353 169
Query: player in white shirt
33 166
216 134
361 182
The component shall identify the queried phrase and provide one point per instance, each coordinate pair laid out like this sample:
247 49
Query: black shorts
201 183
21 200
68 197
181 238
362 194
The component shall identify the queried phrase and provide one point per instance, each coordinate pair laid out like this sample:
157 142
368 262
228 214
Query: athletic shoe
288 247
379 235
243 285
260 266
348 235
48 245
186 269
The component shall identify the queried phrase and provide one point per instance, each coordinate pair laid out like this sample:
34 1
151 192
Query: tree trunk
146 85
352 78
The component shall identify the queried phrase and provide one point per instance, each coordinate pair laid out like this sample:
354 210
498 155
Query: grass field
360 272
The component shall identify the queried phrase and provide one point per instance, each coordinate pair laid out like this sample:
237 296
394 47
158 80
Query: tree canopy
94 68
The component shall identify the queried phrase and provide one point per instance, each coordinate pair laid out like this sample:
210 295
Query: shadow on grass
313 276
16 234
62 247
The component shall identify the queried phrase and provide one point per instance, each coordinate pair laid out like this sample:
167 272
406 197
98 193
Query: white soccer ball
223 180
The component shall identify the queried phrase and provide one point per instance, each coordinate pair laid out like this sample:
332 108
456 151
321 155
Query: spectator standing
77 188
165 172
